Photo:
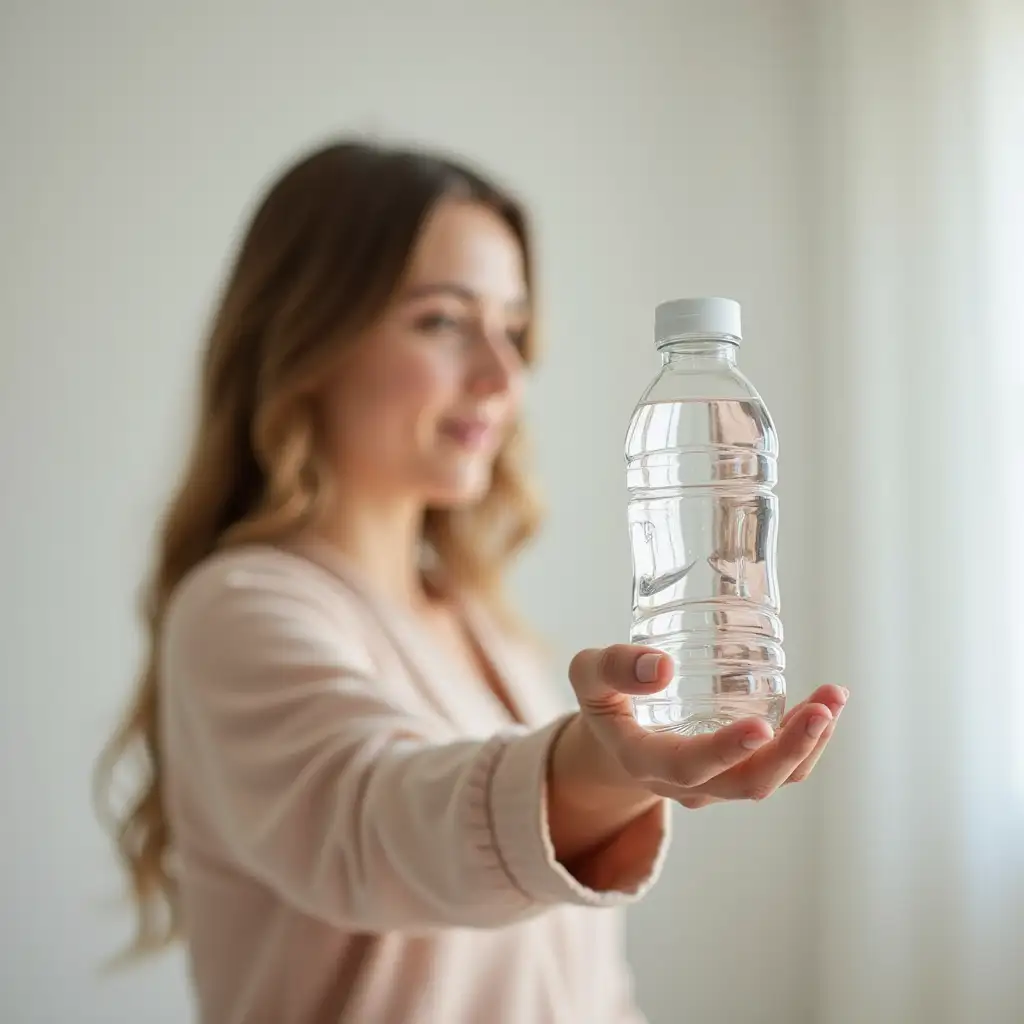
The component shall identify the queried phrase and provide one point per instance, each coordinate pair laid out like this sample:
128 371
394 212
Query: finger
770 767
600 677
800 773
685 762
829 695
695 803
689 800
807 765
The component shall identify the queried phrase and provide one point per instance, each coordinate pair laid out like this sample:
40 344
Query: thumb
602 678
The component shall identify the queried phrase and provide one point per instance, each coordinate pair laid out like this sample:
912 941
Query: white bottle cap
683 319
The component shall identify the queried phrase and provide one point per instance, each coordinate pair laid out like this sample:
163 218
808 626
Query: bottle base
698 715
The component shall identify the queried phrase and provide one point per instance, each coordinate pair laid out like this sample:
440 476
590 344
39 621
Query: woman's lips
470 433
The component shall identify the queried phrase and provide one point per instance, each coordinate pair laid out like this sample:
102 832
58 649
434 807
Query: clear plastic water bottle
701 456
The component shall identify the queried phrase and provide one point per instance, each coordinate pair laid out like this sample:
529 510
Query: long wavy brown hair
321 258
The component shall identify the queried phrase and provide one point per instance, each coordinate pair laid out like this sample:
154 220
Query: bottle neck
692 353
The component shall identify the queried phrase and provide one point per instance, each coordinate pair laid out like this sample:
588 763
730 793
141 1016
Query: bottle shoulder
700 411
677 385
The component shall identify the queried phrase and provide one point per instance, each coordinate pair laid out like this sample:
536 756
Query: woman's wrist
581 762
590 795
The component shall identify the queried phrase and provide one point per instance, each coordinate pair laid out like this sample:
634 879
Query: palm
742 761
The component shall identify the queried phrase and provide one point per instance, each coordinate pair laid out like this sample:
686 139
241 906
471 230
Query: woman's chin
461 490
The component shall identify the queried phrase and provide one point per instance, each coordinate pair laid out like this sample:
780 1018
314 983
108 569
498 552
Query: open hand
741 761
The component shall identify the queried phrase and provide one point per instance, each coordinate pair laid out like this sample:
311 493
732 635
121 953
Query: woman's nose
495 365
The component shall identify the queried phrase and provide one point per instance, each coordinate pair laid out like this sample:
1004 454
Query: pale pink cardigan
359 827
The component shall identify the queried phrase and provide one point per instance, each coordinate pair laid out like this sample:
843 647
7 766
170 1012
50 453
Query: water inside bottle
703 519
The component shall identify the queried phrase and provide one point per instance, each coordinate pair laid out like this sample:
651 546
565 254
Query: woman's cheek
429 380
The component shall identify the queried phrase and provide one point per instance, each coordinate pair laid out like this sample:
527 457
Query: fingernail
816 726
846 692
647 667
754 740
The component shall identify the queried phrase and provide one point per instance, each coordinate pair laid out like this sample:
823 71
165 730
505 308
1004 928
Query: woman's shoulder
258 582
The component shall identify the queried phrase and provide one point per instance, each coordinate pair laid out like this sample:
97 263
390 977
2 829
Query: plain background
664 147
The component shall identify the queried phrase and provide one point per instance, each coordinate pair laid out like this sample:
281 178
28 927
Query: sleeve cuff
627 866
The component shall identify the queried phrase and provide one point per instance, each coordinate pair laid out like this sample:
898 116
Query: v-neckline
418 648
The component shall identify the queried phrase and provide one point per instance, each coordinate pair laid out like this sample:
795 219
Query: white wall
662 146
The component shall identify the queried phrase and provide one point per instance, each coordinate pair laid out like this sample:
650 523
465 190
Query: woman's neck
383 543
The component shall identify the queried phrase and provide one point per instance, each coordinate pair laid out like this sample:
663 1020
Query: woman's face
420 405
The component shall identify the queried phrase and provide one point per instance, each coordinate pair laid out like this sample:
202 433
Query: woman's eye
436 323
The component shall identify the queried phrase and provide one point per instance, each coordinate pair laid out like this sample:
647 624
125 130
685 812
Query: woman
376 809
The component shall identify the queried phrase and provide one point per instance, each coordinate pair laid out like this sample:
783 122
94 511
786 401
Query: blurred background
851 171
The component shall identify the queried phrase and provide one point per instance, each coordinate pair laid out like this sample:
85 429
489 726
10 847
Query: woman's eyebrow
459 291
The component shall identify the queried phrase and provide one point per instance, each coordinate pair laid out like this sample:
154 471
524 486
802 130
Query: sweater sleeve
323 787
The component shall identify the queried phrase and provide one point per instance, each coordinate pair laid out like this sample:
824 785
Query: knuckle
615 664
579 662
607 663
584 673
687 776
759 791
664 790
